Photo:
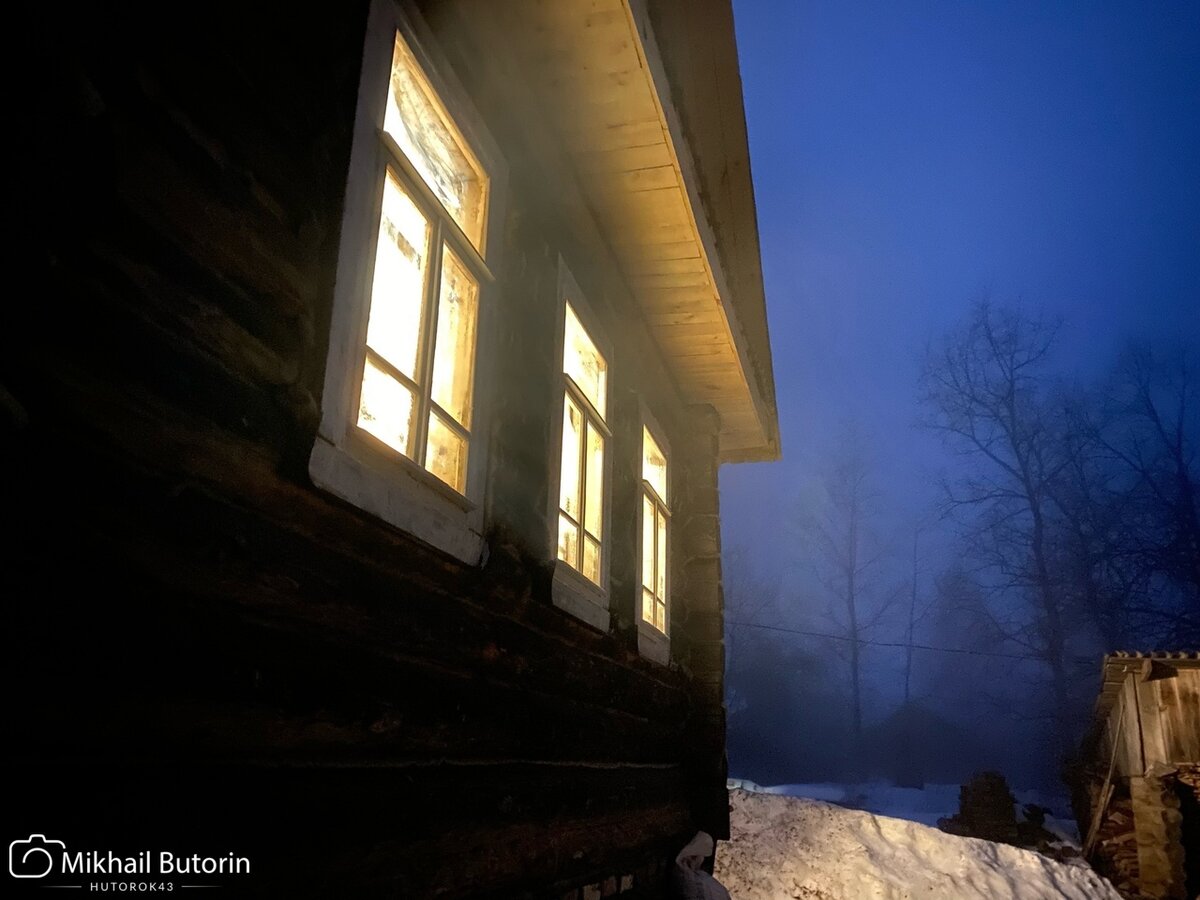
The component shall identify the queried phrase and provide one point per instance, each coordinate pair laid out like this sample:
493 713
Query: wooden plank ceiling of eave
586 62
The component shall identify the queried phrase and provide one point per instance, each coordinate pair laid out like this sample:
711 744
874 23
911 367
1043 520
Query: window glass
446 453
419 125
648 542
581 479
568 542
454 351
583 362
394 327
422 322
654 464
571 476
655 518
660 557
593 506
385 407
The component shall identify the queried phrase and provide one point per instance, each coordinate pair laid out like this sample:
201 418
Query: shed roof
1116 666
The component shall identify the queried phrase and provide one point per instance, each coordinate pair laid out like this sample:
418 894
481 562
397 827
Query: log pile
1190 775
1116 854
986 809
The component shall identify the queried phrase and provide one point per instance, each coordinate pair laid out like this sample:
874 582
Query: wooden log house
1139 803
361 434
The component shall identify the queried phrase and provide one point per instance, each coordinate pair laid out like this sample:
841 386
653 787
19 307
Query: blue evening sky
909 156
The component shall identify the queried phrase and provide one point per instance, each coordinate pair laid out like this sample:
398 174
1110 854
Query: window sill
395 495
653 644
572 592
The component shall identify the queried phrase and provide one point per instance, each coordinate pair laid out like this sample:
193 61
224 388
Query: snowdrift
787 848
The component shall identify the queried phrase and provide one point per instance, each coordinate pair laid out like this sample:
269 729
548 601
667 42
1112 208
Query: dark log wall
203 650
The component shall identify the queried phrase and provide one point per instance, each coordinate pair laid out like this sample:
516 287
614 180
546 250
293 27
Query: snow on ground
788 848
925 805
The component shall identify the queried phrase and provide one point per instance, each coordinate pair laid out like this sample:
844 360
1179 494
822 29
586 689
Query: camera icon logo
33 857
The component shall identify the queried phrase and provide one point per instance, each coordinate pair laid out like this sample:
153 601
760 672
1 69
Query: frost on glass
394 326
654 464
454 349
591 559
654 563
385 408
660 557
583 362
421 128
593 503
568 542
570 478
446 454
648 543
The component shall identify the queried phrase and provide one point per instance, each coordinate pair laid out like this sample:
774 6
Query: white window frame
652 643
571 589
345 460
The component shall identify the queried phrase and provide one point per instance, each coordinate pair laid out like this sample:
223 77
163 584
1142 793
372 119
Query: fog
937 183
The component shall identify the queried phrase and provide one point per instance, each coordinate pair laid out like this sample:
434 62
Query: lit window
655 516
581 480
418 366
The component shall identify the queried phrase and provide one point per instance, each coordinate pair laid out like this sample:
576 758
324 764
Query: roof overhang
604 86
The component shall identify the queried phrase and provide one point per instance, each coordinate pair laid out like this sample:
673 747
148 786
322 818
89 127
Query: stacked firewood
1116 854
985 810
1190 775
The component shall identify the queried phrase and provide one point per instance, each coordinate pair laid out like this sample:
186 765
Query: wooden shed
361 427
1140 797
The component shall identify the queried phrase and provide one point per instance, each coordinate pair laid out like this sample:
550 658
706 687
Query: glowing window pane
654 464
446 454
568 542
424 132
648 543
570 480
583 362
593 506
394 327
660 559
591 559
648 606
385 408
454 350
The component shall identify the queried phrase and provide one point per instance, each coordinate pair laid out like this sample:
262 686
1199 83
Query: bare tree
848 560
1151 431
985 388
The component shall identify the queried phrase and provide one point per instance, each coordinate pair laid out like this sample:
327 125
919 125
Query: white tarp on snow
786 848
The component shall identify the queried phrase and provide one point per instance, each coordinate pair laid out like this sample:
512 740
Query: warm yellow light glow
394 327
648 543
416 393
428 137
568 542
571 478
591 559
654 464
581 478
446 454
654 533
454 351
593 504
660 558
583 362
385 407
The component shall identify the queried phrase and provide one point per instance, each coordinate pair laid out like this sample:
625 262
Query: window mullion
433 206
383 363
429 303
585 406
